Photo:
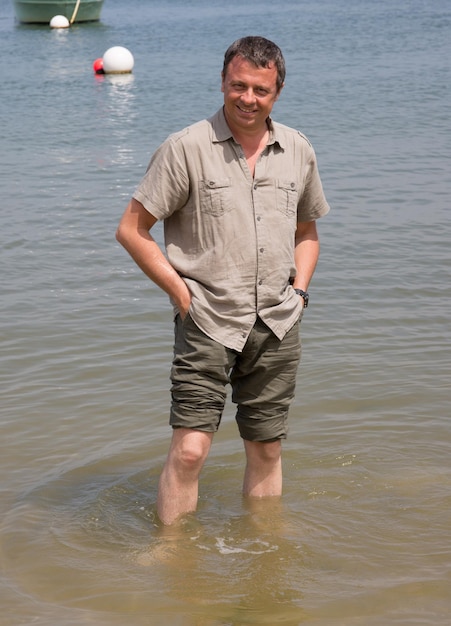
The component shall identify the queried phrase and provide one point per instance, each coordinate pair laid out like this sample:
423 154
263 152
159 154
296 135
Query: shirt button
258 218
262 249
255 186
260 282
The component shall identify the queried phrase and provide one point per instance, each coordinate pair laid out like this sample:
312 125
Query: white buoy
118 60
59 21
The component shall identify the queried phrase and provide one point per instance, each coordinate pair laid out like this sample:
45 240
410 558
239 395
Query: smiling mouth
246 110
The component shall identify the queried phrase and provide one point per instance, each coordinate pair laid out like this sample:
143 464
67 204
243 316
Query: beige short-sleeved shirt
231 235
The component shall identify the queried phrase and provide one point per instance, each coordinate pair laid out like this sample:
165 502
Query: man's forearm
133 234
306 255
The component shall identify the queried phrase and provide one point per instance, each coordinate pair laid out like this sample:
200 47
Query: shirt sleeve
313 203
165 186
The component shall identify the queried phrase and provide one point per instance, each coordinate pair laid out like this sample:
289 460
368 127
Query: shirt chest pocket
287 195
216 196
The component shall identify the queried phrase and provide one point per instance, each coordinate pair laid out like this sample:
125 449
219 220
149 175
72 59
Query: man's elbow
122 235
119 234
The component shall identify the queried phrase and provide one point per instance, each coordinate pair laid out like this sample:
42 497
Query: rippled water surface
362 535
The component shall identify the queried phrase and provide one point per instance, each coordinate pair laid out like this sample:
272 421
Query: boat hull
42 11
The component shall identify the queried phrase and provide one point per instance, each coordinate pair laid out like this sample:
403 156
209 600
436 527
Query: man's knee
190 448
266 452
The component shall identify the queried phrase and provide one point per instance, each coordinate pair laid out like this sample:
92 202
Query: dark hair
259 51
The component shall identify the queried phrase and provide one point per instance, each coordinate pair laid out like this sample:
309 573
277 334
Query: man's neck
252 138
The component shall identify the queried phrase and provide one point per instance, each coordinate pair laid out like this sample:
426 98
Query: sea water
362 534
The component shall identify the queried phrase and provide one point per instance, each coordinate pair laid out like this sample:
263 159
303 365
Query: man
239 195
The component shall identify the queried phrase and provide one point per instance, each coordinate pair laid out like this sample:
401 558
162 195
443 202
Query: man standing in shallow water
239 195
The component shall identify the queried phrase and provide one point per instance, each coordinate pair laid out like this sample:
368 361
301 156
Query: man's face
249 95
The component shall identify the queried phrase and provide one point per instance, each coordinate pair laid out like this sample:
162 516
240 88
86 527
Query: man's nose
248 96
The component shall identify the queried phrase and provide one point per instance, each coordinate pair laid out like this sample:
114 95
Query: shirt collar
222 132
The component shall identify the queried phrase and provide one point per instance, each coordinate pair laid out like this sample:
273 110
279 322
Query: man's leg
179 481
263 474
263 382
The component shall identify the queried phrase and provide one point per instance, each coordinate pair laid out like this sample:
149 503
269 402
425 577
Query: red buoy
97 66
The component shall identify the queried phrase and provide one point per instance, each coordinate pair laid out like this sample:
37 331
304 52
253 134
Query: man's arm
133 233
306 253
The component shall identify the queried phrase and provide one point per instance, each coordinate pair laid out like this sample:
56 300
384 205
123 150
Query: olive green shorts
262 377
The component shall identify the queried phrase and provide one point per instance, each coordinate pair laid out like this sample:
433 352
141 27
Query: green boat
42 11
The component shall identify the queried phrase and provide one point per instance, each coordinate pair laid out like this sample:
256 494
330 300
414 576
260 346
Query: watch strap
304 295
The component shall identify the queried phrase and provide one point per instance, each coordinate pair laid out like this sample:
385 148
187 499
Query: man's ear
222 82
280 91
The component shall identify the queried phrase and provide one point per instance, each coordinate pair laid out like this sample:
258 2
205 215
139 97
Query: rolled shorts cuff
262 425
194 408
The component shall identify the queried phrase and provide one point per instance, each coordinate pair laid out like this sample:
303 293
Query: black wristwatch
304 295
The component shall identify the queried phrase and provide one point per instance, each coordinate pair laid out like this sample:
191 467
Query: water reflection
117 80
116 115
